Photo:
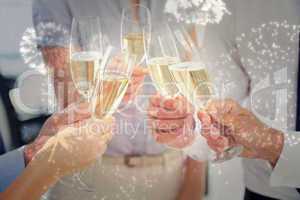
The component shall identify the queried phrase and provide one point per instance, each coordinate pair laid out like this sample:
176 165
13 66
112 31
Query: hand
77 146
73 114
137 79
171 121
226 124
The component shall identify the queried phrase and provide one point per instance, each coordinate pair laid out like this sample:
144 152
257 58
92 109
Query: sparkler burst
197 11
28 49
49 34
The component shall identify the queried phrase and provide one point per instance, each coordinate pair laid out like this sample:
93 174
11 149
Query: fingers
40 141
183 141
179 136
171 121
224 111
217 135
163 114
166 137
175 139
206 123
178 102
139 71
162 108
72 114
166 124
219 143
171 103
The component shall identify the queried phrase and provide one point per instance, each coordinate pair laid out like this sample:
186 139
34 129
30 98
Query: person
266 127
134 164
259 140
60 149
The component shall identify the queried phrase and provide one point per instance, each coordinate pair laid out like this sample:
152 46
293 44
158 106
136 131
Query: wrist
275 145
39 176
41 160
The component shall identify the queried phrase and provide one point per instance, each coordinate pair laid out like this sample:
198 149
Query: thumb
223 111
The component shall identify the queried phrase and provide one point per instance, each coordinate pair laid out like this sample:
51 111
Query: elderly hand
171 121
72 114
76 147
226 124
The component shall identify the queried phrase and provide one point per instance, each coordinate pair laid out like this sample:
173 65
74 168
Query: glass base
200 151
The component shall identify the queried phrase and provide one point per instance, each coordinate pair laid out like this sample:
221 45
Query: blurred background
19 127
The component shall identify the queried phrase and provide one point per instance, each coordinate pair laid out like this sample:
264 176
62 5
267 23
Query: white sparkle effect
197 11
28 49
44 33
271 49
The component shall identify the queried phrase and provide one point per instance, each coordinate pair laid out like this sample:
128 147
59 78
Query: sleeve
286 171
11 166
221 56
52 22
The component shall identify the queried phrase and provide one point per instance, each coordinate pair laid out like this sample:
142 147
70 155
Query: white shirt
276 107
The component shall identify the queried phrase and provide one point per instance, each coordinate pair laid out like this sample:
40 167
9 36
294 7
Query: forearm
32 184
194 181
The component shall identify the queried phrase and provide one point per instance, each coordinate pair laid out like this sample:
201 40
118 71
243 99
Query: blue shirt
11 166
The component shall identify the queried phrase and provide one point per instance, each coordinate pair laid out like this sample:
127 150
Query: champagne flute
112 79
85 53
161 52
111 82
135 30
193 79
85 56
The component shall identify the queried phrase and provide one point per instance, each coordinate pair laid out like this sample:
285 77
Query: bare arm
194 181
70 150
33 183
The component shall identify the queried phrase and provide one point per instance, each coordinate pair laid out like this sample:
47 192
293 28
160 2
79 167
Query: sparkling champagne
109 94
193 81
83 69
161 75
133 45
